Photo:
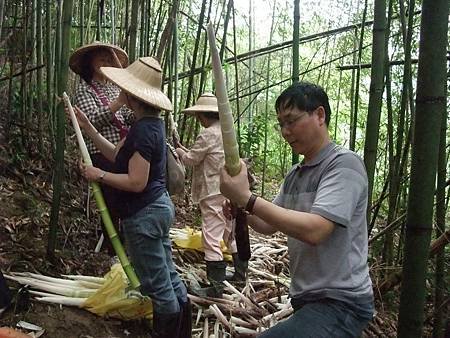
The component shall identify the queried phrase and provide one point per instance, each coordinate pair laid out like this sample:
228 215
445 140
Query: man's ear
321 114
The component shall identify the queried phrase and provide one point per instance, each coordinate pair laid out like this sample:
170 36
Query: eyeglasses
289 122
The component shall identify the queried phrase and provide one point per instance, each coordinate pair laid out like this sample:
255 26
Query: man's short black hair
306 97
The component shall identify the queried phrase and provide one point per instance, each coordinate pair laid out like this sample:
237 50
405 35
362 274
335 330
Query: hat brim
200 108
137 88
75 60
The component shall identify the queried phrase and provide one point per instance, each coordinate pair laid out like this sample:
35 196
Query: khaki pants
215 227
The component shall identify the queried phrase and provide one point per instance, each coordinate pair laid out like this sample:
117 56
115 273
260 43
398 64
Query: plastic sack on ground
188 238
114 299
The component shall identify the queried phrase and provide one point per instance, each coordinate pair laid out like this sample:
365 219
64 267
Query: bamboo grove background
383 64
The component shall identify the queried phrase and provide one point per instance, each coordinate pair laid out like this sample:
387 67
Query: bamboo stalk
60 289
279 279
279 314
52 280
70 301
230 145
215 309
98 280
239 294
117 245
206 328
242 322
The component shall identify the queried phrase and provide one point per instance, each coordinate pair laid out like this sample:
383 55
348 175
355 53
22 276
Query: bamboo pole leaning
117 245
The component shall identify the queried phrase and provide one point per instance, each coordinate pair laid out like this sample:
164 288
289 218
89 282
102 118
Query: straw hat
142 79
76 59
207 102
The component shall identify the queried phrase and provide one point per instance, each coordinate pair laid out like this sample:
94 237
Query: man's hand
236 188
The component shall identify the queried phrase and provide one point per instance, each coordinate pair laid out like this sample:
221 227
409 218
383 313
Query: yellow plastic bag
114 299
188 238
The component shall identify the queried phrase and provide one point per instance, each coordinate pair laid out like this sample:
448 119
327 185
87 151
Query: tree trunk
266 108
2 7
430 105
354 115
440 285
205 54
296 54
133 30
376 93
236 79
60 128
113 22
194 61
225 29
249 141
24 125
82 23
39 58
174 64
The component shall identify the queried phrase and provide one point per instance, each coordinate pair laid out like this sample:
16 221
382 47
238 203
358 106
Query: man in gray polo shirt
321 207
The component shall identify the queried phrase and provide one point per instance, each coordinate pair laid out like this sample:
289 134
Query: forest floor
25 201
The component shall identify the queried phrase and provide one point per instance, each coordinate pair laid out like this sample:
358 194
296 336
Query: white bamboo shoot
230 145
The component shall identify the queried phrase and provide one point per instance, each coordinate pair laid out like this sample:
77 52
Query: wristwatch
102 175
251 204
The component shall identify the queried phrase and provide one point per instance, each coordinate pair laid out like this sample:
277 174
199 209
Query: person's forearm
189 158
102 144
122 182
306 227
260 226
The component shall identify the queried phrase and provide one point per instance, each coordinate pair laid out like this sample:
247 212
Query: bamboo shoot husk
230 145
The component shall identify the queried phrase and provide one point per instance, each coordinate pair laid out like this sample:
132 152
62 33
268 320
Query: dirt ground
70 322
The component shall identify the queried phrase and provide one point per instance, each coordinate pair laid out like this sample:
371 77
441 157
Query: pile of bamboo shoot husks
245 310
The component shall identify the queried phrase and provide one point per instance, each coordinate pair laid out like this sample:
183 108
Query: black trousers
5 295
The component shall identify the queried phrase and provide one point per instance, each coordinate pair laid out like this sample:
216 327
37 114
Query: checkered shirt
100 115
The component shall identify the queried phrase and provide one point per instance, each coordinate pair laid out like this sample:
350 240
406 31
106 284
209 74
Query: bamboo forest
224 168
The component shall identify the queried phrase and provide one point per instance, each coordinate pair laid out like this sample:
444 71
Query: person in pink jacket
206 157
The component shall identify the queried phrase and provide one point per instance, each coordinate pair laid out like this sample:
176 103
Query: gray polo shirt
332 185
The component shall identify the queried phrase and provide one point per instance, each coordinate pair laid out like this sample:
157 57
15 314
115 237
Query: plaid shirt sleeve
99 115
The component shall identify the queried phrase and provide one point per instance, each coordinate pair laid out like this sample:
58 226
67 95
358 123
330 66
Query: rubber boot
5 295
240 269
166 325
186 319
215 271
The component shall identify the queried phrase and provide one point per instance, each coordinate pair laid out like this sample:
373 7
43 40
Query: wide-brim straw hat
142 79
207 102
76 59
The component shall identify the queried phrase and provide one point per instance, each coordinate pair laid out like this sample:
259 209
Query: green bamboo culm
112 234
230 145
